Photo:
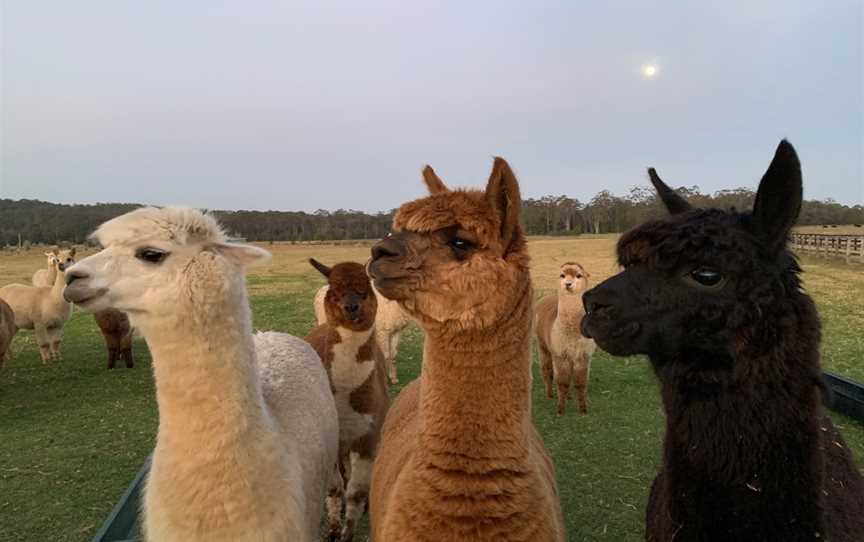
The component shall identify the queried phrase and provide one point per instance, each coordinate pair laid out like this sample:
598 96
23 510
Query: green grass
72 435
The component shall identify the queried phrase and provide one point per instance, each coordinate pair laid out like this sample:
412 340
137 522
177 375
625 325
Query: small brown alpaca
346 344
460 459
565 355
7 331
117 334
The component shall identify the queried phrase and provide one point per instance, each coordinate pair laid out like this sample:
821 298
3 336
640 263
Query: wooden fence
849 246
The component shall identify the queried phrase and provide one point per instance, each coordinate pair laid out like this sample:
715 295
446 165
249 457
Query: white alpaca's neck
206 379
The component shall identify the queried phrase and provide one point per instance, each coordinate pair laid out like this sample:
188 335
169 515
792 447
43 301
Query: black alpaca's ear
323 269
502 192
433 182
778 200
674 203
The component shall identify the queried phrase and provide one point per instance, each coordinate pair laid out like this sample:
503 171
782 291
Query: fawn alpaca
460 459
42 309
715 301
565 355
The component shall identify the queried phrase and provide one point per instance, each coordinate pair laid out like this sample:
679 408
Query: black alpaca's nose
75 275
386 248
594 301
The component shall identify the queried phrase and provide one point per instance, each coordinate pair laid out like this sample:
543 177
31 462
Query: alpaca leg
583 368
126 351
112 357
562 379
333 503
43 341
113 346
357 493
56 334
546 368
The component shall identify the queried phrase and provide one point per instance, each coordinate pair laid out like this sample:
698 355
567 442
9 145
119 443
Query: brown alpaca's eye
151 255
460 246
707 278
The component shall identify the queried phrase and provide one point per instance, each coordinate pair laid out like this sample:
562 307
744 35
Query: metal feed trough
843 396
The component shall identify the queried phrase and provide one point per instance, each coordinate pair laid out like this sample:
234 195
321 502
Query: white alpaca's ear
433 182
245 255
49 254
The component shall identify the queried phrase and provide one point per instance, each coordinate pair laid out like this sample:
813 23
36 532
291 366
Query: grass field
72 435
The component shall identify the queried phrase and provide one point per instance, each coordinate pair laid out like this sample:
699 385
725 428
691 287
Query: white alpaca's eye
151 255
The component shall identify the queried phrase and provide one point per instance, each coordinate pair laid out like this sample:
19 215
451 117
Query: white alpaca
42 309
45 277
390 321
248 432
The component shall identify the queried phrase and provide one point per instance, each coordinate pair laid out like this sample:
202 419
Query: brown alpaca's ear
323 269
778 200
502 192
674 203
72 253
433 182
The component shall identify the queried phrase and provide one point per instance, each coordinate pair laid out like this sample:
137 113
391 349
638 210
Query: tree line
37 221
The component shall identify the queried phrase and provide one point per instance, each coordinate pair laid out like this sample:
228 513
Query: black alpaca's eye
151 255
707 277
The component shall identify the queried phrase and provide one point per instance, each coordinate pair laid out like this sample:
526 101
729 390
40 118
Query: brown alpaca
460 459
117 334
346 344
565 355
7 331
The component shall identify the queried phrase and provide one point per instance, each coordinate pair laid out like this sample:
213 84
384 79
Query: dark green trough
122 524
843 396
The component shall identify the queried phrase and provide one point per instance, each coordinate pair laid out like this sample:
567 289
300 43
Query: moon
649 71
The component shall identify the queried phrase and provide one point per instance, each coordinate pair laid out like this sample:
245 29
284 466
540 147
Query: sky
307 105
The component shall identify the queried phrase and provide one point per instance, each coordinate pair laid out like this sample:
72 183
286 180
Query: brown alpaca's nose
386 248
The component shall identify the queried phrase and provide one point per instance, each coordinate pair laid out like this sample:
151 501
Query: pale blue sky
286 105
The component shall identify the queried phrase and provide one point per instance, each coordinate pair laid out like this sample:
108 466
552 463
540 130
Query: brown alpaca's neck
475 395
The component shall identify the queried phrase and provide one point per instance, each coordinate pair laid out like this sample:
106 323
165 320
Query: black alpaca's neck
741 453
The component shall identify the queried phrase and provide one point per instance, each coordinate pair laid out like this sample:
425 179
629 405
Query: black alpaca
714 299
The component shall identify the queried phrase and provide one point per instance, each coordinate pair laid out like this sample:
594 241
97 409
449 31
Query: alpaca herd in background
42 309
259 433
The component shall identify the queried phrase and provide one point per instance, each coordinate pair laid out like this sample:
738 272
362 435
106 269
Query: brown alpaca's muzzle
394 265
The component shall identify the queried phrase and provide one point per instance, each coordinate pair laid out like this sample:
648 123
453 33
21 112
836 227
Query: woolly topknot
182 225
